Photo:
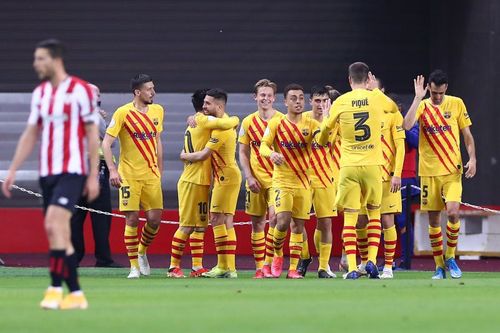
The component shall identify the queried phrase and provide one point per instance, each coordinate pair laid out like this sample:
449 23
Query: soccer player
138 126
258 172
63 113
322 187
287 142
359 115
193 189
393 150
441 118
221 148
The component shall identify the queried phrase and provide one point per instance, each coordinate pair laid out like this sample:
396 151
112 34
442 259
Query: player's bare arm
471 150
92 183
197 156
244 154
23 150
114 177
420 92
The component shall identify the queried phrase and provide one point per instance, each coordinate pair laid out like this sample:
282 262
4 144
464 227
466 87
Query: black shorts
64 190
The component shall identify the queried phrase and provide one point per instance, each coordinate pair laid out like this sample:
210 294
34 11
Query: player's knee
272 220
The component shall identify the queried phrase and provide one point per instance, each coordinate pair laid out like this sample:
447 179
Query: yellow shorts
323 200
224 198
256 204
295 200
193 204
359 186
435 188
391 202
137 194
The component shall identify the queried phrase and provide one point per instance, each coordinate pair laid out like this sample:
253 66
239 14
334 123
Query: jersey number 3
361 126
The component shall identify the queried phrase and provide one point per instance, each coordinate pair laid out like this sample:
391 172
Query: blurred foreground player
63 113
441 118
138 125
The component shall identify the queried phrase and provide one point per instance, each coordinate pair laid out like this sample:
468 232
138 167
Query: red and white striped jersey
62 113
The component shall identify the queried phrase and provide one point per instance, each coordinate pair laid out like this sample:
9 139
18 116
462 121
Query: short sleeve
243 136
116 123
34 117
463 116
87 102
159 127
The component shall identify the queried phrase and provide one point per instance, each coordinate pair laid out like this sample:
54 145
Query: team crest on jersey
213 140
447 114
125 202
305 132
156 121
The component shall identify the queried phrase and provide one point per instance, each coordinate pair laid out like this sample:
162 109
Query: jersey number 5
361 126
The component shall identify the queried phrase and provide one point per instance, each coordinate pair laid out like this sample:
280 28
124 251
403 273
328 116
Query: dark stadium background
231 44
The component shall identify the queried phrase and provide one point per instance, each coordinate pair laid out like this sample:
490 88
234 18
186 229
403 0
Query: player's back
360 120
195 139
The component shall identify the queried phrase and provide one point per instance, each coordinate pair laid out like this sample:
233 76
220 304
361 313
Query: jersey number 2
361 126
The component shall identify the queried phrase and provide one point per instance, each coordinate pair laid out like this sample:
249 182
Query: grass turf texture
411 302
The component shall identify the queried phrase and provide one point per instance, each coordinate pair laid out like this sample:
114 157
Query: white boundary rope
38 195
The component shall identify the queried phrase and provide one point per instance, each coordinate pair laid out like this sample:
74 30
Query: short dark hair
292 86
218 94
137 81
381 83
332 93
198 98
319 90
358 72
438 77
55 47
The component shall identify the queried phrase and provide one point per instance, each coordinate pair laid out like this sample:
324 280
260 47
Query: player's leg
177 250
301 206
452 191
266 269
283 204
77 223
129 199
256 207
390 241
362 239
431 201
197 245
231 244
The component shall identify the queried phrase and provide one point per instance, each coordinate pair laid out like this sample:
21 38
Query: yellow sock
131 244
390 240
259 248
231 249
178 244
452 230
278 241
362 242
147 235
269 246
317 239
349 238
436 239
296 241
374 230
305 248
196 243
325 250
221 238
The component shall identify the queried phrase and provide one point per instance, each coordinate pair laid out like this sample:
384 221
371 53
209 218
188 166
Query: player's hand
191 121
277 158
253 184
372 82
471 169
420 91
8 182
395 184
325 106
91 190
114 178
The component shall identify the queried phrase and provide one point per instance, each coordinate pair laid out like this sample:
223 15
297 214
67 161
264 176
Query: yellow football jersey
392 130
137 134
439 139
322 162
224 167
294 142
359 114
195 139
251 132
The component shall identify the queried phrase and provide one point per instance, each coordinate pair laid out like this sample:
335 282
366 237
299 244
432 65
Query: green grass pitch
412 302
